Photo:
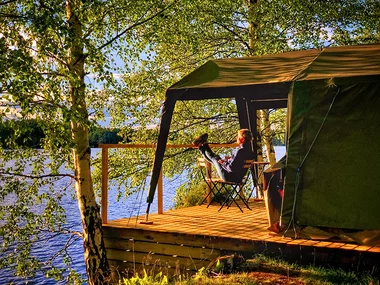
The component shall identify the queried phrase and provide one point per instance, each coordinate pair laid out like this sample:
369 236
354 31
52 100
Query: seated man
230 169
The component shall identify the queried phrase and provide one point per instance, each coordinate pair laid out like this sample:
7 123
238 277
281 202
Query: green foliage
22 133
314 274
129 170
273 270
158 279
31 212
189 194
277 119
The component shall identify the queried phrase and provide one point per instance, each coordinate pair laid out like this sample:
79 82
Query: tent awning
346 61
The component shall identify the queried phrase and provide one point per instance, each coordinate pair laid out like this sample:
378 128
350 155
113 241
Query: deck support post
104 200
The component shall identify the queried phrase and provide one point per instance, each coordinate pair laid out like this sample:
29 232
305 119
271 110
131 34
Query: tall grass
158 279
270 270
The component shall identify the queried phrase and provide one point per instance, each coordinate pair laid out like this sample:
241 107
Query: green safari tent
333 101
333 164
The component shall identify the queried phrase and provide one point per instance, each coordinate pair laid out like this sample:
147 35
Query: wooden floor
251 224
231 223
236 232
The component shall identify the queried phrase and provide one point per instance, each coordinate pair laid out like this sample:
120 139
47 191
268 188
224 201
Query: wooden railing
105 147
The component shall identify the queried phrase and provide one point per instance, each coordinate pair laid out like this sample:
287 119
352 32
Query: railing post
104 200
160 203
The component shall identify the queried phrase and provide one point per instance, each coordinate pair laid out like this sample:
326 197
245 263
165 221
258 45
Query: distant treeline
32 133
99 135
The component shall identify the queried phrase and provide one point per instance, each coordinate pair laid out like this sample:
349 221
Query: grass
259 270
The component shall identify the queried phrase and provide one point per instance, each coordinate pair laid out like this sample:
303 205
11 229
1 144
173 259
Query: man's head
244 135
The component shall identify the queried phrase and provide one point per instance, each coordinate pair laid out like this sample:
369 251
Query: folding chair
216 185
207 174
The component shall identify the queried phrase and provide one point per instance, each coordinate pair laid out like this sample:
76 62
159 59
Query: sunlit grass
261 270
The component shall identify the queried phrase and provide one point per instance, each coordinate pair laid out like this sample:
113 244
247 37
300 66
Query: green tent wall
333 149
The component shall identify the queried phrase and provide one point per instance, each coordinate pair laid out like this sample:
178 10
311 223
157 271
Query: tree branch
234 33
52 73
12 16
63 231
133 26
37 176
7 2
68 243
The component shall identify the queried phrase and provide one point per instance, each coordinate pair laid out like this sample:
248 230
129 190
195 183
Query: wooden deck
190 238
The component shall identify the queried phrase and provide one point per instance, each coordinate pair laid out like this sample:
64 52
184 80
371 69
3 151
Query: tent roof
345 61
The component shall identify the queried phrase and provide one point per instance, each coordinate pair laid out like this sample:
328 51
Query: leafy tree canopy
192 32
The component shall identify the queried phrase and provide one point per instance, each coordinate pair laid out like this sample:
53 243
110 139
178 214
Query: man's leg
208 154
213 158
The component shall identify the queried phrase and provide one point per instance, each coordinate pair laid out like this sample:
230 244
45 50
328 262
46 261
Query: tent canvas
267 82
333 161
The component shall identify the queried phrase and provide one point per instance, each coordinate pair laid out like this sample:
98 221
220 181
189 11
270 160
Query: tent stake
146 222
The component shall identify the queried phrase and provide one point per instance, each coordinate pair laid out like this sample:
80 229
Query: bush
190 194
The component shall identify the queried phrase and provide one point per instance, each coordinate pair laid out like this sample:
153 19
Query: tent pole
147 216
252 123
166 117
242 109
247 119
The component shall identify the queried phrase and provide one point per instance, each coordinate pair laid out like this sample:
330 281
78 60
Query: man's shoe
200 140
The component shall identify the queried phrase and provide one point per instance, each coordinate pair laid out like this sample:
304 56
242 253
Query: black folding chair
207 174
217 186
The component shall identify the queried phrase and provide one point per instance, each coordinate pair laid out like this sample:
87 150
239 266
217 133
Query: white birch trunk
266 136
260 157
97 267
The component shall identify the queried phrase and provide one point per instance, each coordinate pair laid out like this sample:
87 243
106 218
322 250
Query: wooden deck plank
204 220
374 249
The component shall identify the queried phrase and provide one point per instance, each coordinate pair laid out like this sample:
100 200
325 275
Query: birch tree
54 57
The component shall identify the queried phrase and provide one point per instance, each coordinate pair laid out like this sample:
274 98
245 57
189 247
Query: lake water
133 205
